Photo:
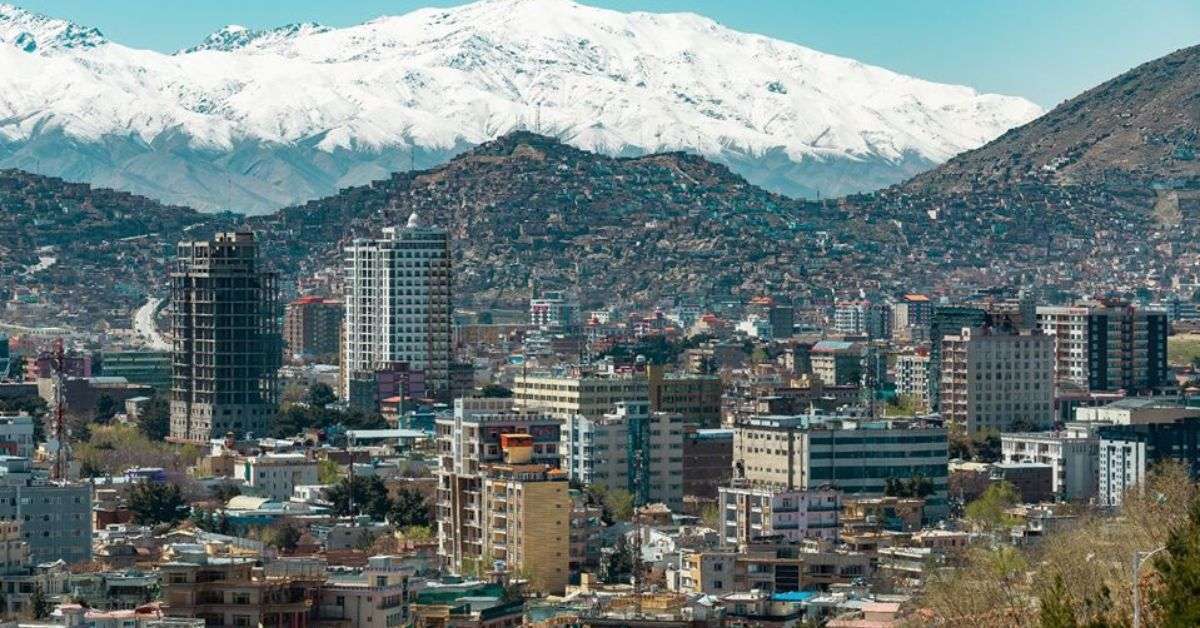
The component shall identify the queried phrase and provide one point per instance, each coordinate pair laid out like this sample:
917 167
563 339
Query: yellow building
527 515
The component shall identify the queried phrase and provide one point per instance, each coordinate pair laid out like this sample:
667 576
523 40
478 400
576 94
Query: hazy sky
1045 50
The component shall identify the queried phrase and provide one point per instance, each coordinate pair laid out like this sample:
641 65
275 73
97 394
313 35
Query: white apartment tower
398 304
1069 327
995 381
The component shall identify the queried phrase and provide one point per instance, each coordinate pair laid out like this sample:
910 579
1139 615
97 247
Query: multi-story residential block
16 434
554 309
227 348
56 517
1071 454
378 597
527 517
943 320
707 461
837 362
1129 452
910 317
276 475
751 512
1069 328
141 366
467 441
912 376
850 317
1137 411
590 395
1127 349
770 565
312 328
855 456
697 398
992 380
232 591
632 449
398 304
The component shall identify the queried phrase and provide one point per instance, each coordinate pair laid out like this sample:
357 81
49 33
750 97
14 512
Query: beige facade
379 598
588 395
994 381
527 519
1069 328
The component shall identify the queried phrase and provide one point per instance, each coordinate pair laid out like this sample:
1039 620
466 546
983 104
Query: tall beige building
1069 328
993 380
696 398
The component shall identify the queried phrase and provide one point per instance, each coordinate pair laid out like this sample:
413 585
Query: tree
1055 609
38 604
320 395
224 492
106 407
496 391
409 509
617 503
328 471
1178 599
153 503
155 419
370 497
284 537
989 510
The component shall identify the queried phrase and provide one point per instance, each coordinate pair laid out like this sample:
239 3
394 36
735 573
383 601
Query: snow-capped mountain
253 120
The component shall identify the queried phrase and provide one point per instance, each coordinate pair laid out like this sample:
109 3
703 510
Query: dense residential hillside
1142 125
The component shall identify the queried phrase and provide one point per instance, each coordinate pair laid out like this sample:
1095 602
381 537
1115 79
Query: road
143 324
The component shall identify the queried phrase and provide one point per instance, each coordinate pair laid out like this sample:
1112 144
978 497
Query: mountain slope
260 119
1142 125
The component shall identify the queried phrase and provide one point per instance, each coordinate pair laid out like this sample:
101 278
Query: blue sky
1045 50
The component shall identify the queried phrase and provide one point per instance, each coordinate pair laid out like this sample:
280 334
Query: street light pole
1139 558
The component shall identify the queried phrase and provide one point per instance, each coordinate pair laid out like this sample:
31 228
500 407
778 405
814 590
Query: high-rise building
227 348
591 395
1128 452
912 376
751 512
994 380
554 309
630 449
1127 348
56 516
910 317
398 304
312 328
856 456
850 317
1069 328
944 320
139 366
527 517
466 442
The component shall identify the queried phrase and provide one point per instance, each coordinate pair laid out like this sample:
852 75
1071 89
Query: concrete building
1129 452
1071 455
697 398
837 362
145 366
56 518
750 512
772 566
1127 349
276 475
467 441
377 597
227 348
527 517
16 434
555 309
1137 411
912 376
707 461
1069 328
232 591
590 395
850 317
992 380
398 304
856 456
946 319
631 449
312 328
911 316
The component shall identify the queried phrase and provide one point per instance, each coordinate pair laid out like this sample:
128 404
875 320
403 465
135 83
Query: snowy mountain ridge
253 120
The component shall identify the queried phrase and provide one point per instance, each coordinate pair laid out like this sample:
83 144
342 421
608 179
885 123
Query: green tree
370 497
284 537
1055 609
1178 599
617 503
155 420
329 471
153 504
39 606
989 510
106 407
320 395
410 508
